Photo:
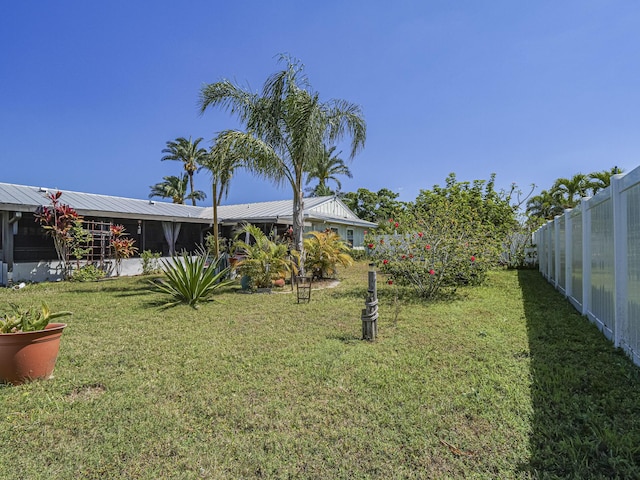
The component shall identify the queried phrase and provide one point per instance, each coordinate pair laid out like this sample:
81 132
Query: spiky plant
190 279
325 251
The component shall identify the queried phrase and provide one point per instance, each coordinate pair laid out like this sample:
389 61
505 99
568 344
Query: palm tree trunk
193 200
298 226
216 246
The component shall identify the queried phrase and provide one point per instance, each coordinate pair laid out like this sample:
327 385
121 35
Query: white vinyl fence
591 254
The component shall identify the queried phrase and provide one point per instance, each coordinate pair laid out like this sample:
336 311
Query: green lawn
501 381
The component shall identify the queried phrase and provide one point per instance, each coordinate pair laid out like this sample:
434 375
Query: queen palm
601 180
175 188
286 128
189 153
327 168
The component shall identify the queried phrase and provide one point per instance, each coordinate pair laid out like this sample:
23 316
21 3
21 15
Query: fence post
586 256
370 312
568 253
619 259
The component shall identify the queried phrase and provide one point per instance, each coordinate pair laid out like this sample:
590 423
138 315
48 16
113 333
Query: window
350 237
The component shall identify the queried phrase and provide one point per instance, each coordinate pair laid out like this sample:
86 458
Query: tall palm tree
175 188
221 163
286 129
328 168
187 152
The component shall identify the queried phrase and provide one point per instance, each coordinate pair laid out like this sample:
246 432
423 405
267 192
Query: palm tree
188 152
221 163
601 180
175 188
286 129
570 190
545 205
328 168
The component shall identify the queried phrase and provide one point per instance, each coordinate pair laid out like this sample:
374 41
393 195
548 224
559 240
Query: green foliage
190 279
452 236
176 189
264 260
190 154
27 319
566 193
286 129
150 262
381 207
324 252
87 273
327 168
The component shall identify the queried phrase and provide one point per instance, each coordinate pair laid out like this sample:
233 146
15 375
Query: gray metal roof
22 198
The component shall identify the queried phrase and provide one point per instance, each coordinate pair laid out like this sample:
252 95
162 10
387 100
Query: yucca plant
190 279
325 251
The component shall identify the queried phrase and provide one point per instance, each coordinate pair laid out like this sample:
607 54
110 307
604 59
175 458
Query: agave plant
191 279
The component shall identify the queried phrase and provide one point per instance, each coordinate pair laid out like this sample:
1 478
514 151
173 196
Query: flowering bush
445 255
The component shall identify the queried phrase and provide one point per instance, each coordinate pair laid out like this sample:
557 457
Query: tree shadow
585 393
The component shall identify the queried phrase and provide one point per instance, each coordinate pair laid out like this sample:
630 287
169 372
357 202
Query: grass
501 381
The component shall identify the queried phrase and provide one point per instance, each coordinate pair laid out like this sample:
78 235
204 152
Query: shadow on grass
585 393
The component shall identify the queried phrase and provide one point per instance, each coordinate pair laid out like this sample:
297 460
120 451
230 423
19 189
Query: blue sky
92 91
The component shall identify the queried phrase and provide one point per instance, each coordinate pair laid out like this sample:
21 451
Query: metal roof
22 198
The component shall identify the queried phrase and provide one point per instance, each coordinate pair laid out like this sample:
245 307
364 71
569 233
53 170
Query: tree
601 180
328 168
221 163
378 207
286 130
569 191
175 188
187 152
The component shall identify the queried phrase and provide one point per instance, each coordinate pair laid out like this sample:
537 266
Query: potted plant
29 343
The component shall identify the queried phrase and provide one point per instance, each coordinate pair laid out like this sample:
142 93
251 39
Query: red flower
390 282
365 232
396 224
427 247
391 220
370 245
473 259
403 257
411 255
385 261
420 234
432 272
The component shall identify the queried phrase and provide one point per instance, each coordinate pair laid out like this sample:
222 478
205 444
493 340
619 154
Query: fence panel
592 255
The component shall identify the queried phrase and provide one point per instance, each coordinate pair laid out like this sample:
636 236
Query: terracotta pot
26 356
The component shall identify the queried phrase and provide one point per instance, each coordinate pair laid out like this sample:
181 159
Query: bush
150 262
324 252
264 260
87 273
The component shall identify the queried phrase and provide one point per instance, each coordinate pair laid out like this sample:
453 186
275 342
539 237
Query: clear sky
90 92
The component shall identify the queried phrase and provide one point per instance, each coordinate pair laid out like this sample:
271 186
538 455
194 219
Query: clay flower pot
26 356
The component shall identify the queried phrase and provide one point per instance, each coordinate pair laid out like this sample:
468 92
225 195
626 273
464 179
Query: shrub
150 262
264 260
324 252
87 273
190 279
